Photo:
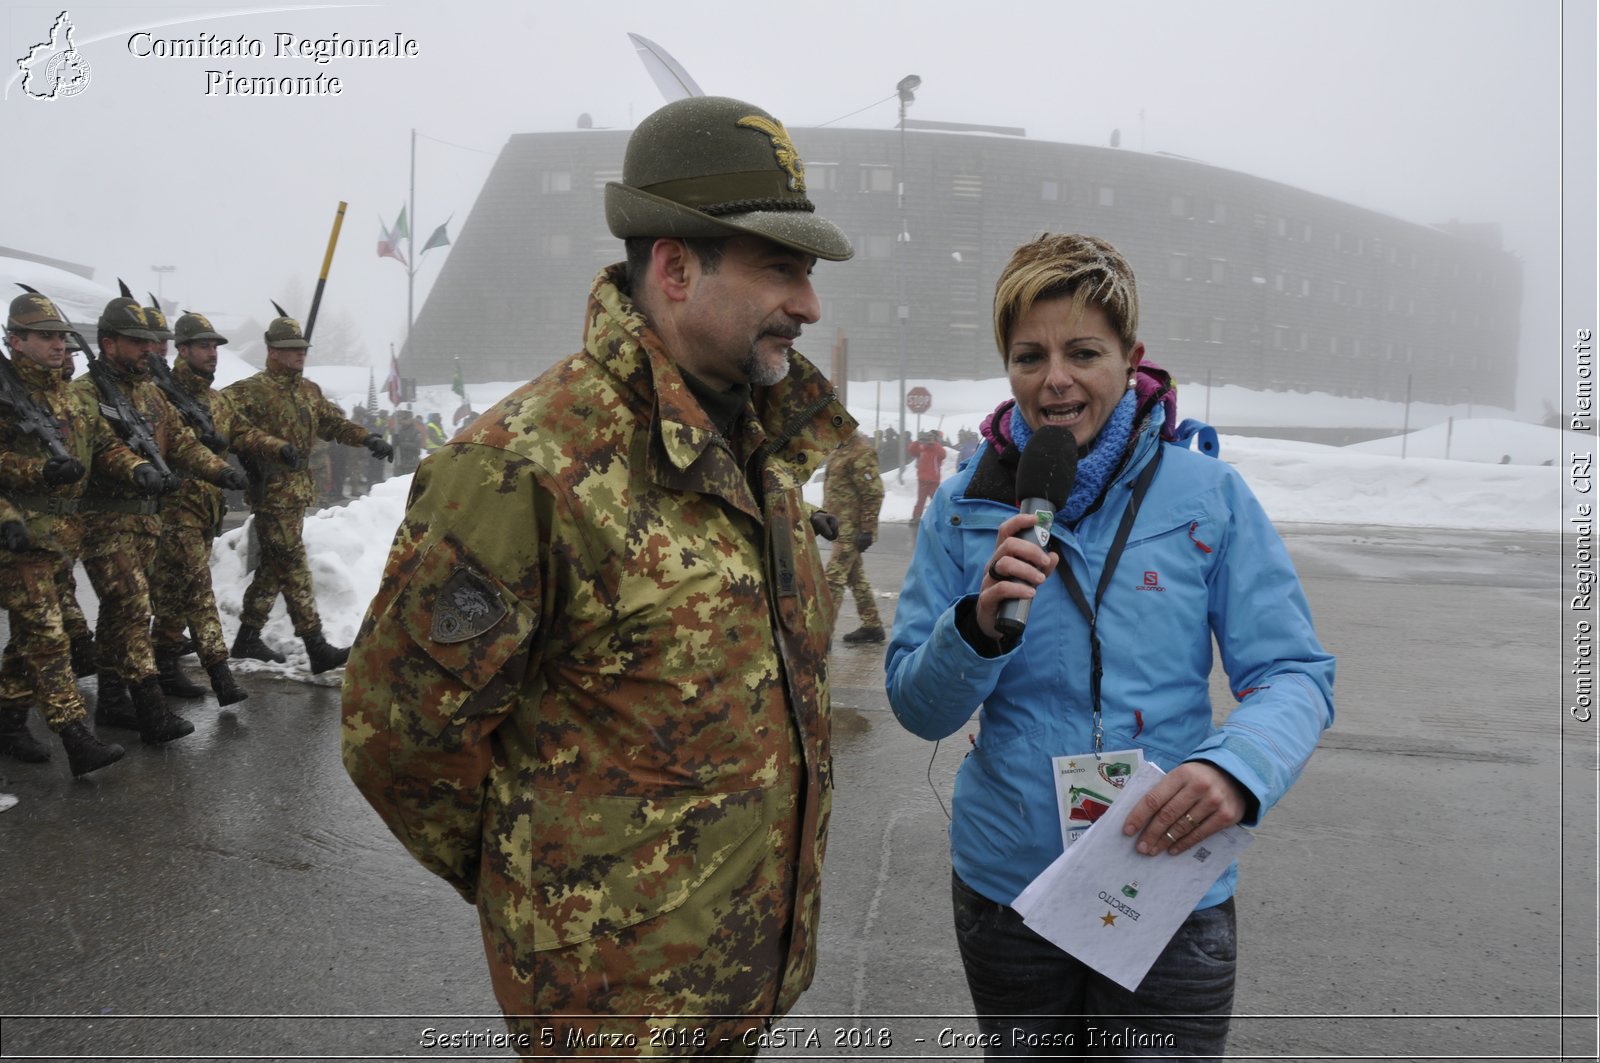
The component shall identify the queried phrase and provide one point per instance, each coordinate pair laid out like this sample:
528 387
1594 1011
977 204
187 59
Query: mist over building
1242 279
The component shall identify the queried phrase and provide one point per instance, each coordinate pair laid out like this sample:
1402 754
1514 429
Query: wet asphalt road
1427 891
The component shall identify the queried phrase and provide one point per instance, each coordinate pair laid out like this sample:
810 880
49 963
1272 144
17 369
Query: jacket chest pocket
1171 560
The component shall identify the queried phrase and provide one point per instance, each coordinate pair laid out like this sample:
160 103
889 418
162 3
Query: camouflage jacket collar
284 378
37 377
799 420
191 381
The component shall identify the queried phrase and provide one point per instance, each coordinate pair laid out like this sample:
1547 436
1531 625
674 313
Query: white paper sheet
1114 908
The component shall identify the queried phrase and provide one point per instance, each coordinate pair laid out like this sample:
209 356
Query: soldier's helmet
711 166
33 312
192 326
158 323
125 317
285 332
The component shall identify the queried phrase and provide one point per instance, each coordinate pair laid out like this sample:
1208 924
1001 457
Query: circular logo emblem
67 74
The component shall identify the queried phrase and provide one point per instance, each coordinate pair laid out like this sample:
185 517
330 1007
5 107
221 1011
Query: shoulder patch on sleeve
466 607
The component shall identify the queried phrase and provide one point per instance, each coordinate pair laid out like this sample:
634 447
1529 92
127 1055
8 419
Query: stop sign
918 400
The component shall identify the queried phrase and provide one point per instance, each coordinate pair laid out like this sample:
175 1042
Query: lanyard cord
1141 487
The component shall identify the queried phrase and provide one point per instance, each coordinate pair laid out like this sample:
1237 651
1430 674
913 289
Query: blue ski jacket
1202 560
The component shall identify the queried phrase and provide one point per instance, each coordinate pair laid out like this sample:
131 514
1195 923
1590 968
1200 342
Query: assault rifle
25 413
197 416
128 422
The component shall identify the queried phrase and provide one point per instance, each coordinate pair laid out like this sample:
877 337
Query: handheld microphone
1045 474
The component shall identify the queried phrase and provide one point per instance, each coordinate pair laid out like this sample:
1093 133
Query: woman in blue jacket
1199 559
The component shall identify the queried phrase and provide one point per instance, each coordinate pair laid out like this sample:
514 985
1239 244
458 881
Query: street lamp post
161 275
906 89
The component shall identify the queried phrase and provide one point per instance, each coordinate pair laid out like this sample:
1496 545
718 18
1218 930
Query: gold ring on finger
1168 835
1190 820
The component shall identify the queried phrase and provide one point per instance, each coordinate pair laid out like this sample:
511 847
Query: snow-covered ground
1366 484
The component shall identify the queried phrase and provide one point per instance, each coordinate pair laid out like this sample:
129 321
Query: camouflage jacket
198 504
592 691
115 505
292 408
51 511
852 488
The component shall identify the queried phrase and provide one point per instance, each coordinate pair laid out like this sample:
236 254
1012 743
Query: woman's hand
1017 569
1194 801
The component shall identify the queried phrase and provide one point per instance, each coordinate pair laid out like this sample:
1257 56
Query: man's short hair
707 249
1085 268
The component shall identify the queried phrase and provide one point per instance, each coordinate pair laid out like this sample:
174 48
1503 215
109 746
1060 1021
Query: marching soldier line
123 469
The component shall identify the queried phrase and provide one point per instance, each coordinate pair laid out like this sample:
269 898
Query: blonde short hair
1086 268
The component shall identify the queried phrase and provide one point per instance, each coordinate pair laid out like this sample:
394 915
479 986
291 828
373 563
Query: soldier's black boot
156 724
323 656
83 656
187 648
15 741
173 681
85 752
248 645
222 682
113 707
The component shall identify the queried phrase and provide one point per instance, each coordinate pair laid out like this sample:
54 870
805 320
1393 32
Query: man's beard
765 373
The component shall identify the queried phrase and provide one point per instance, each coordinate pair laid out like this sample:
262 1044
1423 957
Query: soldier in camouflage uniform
46 491
280 400
852 490
181 594
592 692
77 625
122 533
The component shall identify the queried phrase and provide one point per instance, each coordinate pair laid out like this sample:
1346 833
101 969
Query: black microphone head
1048 466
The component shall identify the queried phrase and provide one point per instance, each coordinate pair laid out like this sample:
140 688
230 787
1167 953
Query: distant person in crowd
433 433
966 444
929 454
852 490
591 692
1100 670
407 439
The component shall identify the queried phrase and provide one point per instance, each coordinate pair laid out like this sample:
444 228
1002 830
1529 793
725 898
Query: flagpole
411 246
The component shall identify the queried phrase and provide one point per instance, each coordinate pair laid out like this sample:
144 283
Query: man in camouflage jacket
280 400
181 594
592 693
852 490
122 531
46 493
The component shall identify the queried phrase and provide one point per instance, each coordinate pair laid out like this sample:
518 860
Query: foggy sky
1428 110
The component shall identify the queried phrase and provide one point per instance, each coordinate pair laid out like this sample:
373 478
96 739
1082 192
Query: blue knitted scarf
1095 468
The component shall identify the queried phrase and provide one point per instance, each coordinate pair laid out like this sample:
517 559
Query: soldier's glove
826 525
170 483
214 443
63 470
863 540
14 536
374 443
289 454
147 480
233 480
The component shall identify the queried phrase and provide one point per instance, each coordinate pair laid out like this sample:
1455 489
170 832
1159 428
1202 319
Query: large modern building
1250 281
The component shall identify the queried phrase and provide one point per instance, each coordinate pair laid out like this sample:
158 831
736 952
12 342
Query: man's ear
670 268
